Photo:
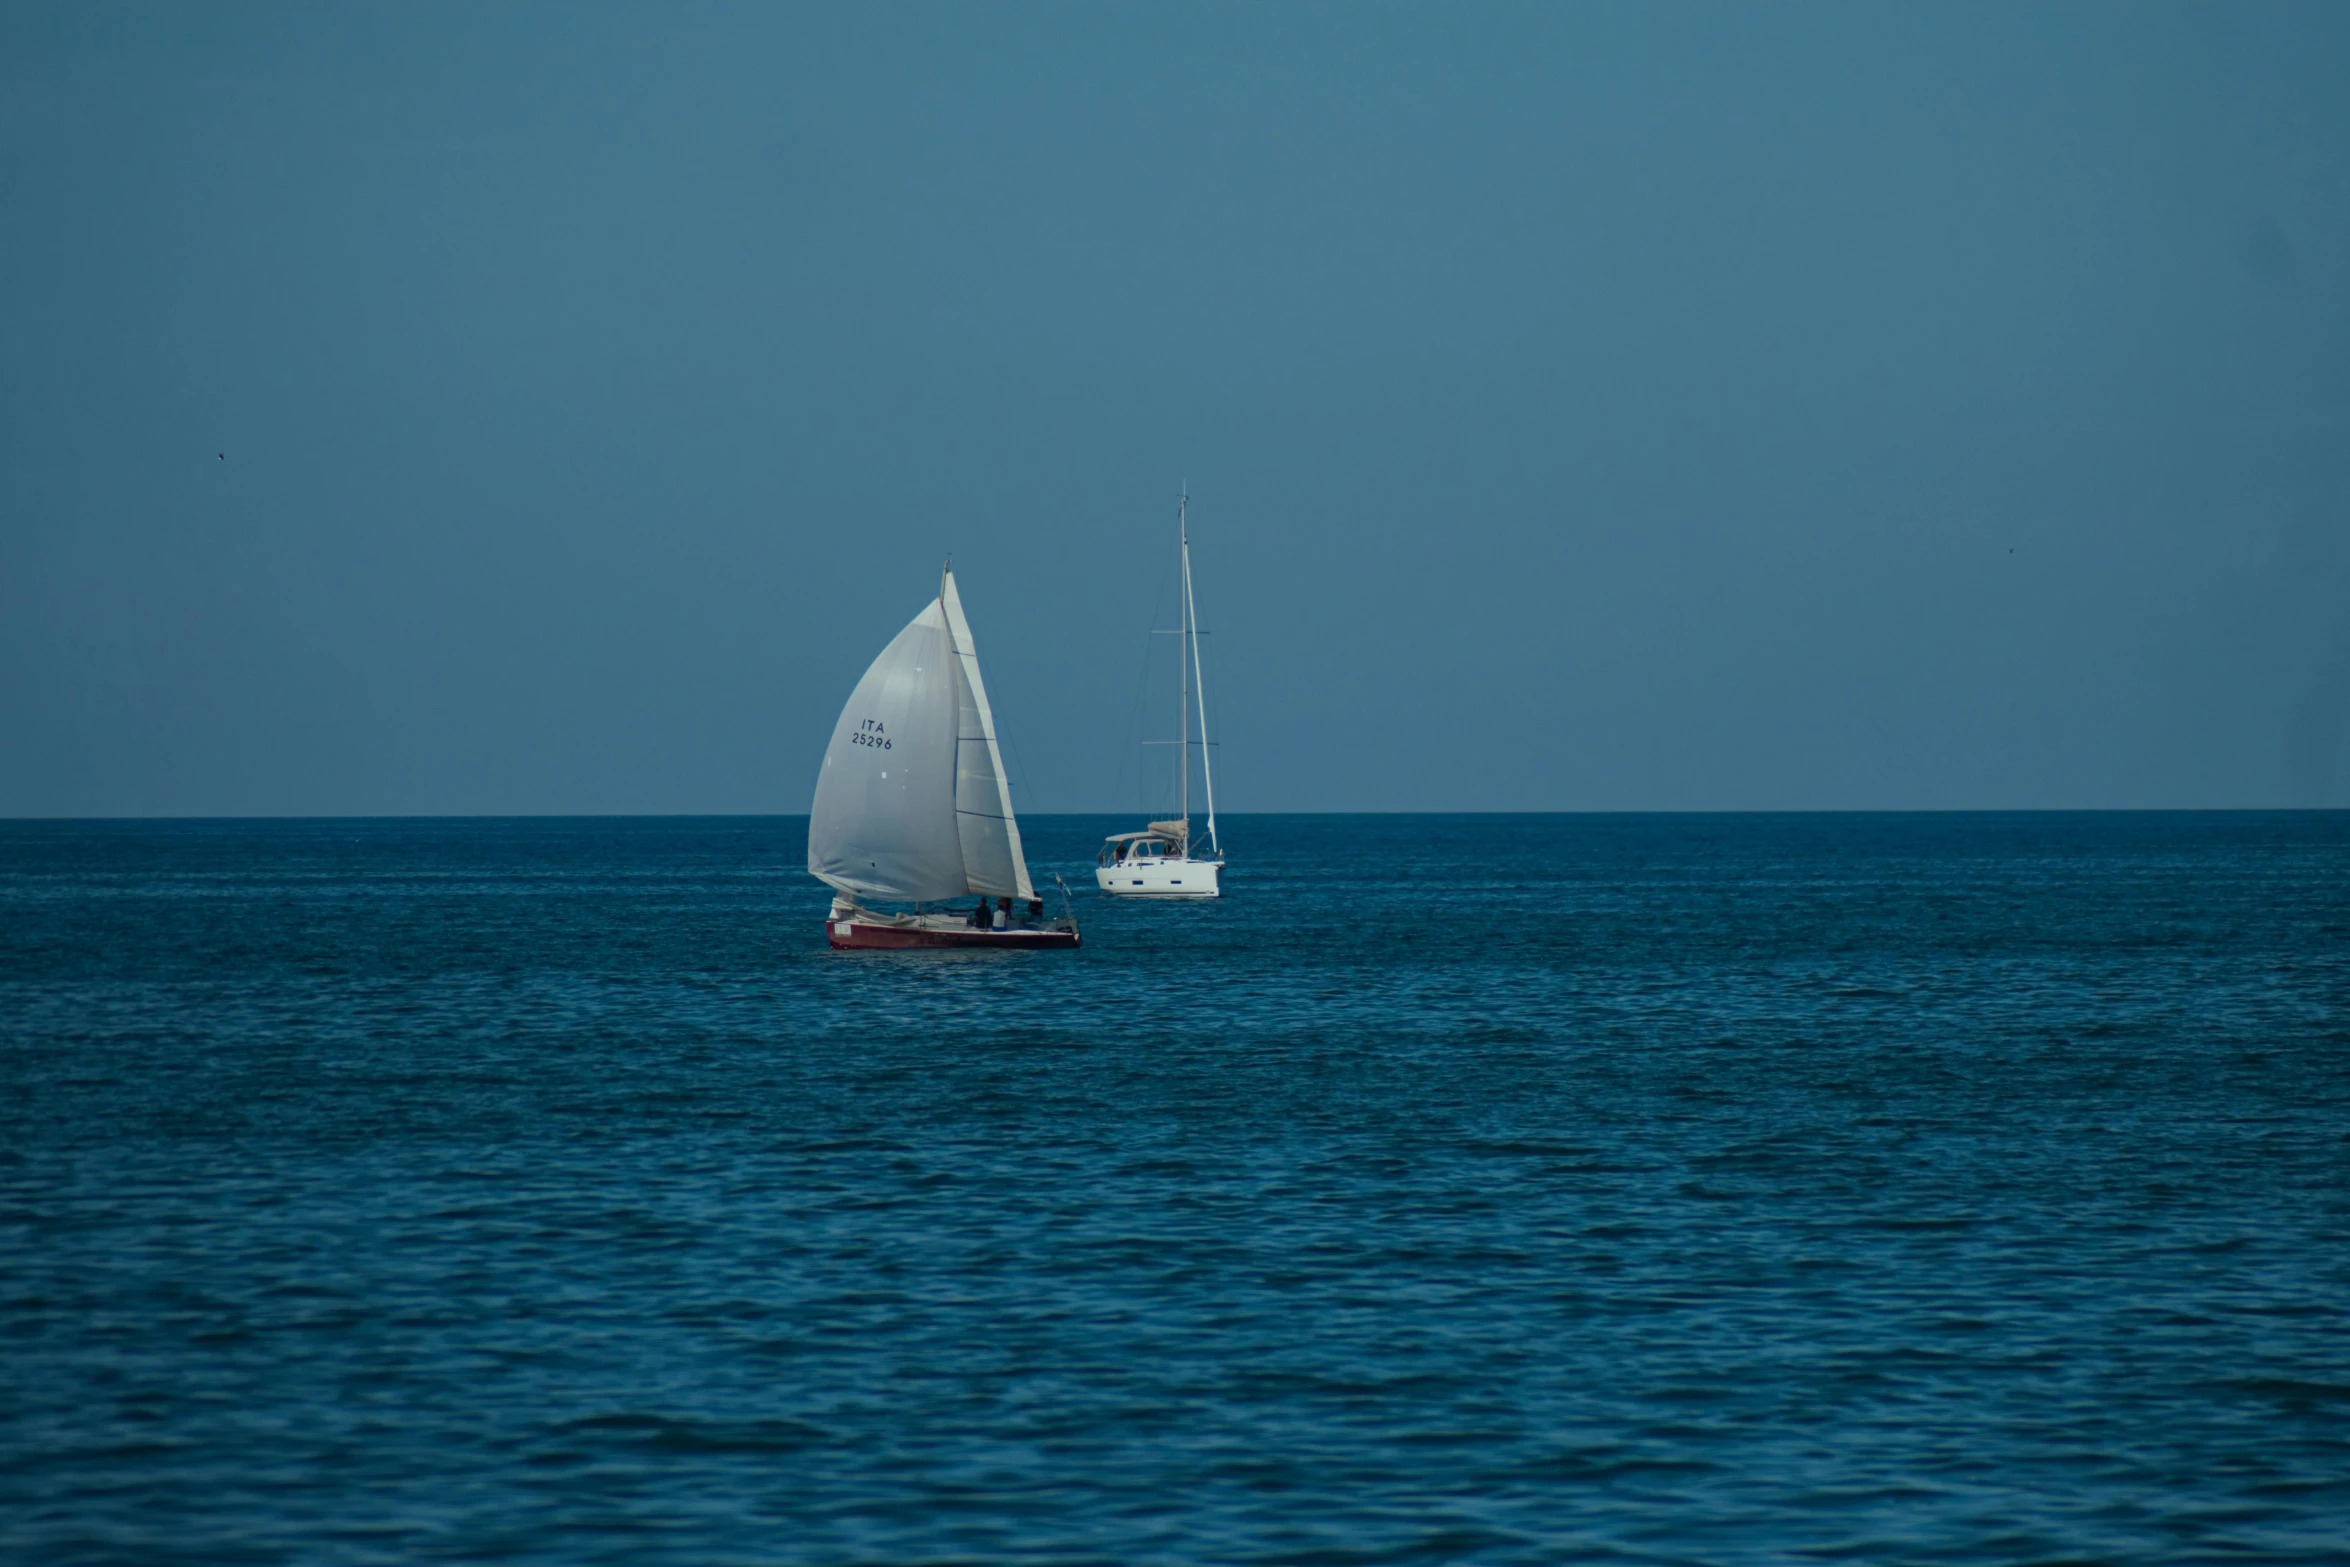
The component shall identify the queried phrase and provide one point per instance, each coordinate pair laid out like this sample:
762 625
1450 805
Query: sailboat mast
1207 770
1183 667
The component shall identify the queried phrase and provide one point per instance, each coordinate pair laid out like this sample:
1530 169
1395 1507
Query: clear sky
416 409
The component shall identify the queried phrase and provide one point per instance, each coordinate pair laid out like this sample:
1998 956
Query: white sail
883 824
992 861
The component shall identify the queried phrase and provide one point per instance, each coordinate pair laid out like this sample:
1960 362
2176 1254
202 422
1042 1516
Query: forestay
912 804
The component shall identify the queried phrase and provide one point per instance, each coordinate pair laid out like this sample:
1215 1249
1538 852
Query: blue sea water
1501 1189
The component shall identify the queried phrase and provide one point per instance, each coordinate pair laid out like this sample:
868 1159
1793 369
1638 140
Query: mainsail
912 804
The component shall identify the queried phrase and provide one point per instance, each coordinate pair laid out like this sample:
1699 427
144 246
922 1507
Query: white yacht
1163 860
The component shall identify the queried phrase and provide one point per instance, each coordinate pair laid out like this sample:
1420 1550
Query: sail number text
871 734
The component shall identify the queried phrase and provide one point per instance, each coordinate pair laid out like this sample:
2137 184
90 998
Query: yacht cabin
1134 846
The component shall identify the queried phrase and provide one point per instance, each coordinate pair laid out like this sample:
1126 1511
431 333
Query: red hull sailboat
883 935
913 807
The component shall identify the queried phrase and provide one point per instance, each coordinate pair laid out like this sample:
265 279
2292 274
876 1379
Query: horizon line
761 816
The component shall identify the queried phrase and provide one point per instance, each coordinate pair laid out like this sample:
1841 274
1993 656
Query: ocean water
1499 1189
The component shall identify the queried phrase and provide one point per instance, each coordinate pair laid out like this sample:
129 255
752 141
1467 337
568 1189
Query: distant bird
224 457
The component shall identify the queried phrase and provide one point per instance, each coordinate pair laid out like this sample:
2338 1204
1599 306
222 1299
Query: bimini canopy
912 804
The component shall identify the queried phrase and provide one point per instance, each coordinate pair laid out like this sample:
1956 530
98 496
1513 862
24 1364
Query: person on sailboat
912 805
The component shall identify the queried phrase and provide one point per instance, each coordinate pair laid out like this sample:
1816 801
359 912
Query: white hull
1157 861
1162 878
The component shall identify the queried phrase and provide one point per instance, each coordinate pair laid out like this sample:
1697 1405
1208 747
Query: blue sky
456 409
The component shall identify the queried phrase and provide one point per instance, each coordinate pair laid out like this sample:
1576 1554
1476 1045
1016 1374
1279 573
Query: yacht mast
1207 769
1183 668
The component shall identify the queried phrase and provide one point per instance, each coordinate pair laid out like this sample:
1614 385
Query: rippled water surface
1734 1189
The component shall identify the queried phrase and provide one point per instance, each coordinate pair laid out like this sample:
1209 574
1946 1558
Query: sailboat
912 806
1162 861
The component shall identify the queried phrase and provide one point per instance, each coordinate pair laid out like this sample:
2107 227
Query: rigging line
1006 746
1178 784
1128 755
1005 742
1199 665
1126 752
1199 671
